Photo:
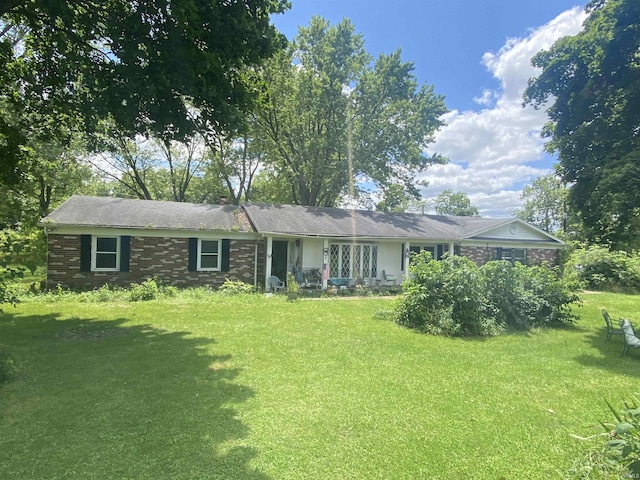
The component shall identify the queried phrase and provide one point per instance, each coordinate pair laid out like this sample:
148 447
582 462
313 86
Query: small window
209 255
513 255
105 253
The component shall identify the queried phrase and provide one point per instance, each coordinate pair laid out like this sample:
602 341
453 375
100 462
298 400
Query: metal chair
611 330
630 339
389 278
275 284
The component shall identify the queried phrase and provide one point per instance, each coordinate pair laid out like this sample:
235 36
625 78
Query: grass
261 388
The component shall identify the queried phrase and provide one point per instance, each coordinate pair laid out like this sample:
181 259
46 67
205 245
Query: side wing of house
513 240
94 241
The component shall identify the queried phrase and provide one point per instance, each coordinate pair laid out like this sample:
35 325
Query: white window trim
353 274
94 252
199 267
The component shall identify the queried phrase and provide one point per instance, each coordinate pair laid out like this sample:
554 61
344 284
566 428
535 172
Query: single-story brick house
97 240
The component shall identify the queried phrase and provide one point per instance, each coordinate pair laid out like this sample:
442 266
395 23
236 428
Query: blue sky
476 54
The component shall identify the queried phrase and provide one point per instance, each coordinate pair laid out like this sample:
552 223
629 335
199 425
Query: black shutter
499 253
193 254
85 253
402 258
226 247
125 253
456 250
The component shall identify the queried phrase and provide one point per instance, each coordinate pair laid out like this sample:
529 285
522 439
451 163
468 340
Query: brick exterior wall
164 257
480 255
535 256
538 256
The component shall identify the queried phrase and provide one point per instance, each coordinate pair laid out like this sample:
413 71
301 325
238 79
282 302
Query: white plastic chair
389 278
630 339
275 284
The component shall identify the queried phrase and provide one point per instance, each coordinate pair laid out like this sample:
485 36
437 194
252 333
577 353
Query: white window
105 254
351 261
515 255
209 255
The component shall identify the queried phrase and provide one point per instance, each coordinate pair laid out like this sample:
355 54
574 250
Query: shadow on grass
609 358
105 399
523 333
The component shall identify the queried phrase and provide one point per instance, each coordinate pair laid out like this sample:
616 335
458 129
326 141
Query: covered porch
318 263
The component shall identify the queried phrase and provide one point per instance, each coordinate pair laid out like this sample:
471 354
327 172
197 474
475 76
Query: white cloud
491 150
486 98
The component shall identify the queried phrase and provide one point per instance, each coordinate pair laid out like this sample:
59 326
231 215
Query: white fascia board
518 221
511 243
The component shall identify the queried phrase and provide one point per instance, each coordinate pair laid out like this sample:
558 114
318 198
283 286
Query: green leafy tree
394 199
234 164
158 67
455 203
270 187
331 116
591 80
544 203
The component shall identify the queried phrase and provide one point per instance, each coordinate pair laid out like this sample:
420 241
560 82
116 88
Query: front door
279 259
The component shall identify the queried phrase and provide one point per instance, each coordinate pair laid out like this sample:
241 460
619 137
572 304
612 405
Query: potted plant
292 287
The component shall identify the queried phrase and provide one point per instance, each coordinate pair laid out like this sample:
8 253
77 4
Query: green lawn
260 388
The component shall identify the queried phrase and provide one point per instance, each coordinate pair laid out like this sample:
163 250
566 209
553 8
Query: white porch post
267 269
452 249
325 264
405 260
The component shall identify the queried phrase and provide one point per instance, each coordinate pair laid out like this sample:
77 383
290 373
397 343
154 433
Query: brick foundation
164 257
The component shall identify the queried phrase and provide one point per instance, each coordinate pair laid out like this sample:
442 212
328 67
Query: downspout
255 266
325 263
267 269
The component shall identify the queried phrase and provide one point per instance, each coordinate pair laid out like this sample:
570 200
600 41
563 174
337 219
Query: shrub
150 289
456 297
26 247
9 291
235 287
525 297
147 290
617 453
602 269
444 297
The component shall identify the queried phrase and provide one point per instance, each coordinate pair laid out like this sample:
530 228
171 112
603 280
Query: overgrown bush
524 297
150 290
599 268
147 290
23 247
456 297
235 287
445 297
616 453
9 291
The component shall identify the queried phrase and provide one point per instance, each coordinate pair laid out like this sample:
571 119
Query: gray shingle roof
126 213
286 220
335 222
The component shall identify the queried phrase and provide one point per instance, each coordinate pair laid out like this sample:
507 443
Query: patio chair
630 339
275 284
389 278
611 330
